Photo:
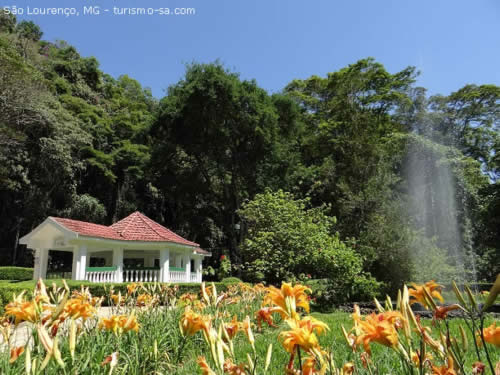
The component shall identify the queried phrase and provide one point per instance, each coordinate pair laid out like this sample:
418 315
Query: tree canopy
328 163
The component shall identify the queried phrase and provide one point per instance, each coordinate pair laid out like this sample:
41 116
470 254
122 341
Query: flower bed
155 328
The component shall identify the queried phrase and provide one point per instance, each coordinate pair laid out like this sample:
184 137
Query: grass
384 359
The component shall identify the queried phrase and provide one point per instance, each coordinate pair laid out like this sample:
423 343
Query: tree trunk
16 242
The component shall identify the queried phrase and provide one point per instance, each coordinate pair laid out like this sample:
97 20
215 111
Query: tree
214 135
29 30
7 22
470 120
286 240
348 117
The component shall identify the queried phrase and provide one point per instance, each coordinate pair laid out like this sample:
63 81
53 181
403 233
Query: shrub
286 240
230 280
16 273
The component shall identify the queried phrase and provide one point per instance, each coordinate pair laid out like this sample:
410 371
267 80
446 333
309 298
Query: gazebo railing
177 275
141 275
145 274
101 274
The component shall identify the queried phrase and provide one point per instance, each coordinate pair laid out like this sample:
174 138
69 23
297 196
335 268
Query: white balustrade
100 276
178 277
95 275
141 275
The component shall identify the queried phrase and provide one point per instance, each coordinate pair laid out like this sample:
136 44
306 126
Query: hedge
16 273
9 288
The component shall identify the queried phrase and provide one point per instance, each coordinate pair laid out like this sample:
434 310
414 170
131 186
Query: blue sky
452 43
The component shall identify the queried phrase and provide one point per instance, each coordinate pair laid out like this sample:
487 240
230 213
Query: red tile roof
135 227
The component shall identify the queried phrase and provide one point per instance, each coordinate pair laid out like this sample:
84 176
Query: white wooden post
74 267
165 265
44 260
187 263
118 262
197 266
36 268
81 259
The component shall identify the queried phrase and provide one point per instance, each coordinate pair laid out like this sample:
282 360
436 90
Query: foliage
230 280
242 330
76 142
87 208
16 273
215 135
285 238
29 30
224 267
11 287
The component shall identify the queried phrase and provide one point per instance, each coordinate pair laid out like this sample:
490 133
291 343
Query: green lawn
384 358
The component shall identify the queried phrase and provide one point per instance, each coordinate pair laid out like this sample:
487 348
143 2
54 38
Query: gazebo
135 248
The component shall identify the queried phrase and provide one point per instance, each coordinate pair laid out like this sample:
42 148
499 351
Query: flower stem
299 357
481 333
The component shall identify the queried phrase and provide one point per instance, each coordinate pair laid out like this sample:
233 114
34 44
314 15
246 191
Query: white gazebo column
74 267
164 265
81 262
43 260
198 268
36 264
187 263
118 263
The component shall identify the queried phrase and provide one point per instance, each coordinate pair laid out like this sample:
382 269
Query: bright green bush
16 273
287 240
230 280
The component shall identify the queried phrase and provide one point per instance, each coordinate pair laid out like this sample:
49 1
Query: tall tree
215 132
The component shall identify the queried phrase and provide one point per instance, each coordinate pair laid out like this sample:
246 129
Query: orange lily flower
492 334
111 359
309 367
205 368
266 314
287 298
478 368
232 327
417 293
131 288
447 369
118 299
232 369
379 328
311 323
120 323
144 300
348 368
192 322
415 358
188 299
441 312
85 296
76 308
23 311
302 334
15 353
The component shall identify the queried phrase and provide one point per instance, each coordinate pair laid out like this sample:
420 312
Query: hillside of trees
338 149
